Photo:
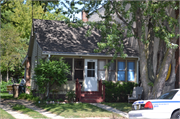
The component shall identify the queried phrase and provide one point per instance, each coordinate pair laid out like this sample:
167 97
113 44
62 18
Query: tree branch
4 2
121 18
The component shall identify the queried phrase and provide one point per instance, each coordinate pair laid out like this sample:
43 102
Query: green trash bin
15 90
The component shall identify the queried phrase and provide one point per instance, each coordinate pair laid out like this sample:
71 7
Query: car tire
176 115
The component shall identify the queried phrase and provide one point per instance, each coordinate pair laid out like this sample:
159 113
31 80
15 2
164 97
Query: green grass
73 110
30 112
6 96
125 107
5 115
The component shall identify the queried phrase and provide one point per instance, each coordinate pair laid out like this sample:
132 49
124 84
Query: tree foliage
144 21
16 26
48 73
21 14
13 49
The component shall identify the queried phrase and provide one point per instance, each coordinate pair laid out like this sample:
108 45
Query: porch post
77 90
100 86
27 75
104 92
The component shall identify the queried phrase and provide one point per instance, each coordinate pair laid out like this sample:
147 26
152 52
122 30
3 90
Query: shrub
48 73
70 96
117 92
28 97
4 84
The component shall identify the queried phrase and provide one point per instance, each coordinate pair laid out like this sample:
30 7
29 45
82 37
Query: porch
90 96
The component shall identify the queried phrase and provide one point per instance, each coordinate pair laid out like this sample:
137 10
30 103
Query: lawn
74 110
30 112
6 96
5 115
125 107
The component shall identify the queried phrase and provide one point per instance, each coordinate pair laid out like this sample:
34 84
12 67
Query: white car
167 106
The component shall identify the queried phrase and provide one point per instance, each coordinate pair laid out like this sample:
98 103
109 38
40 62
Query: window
168 95
101 69
111 71
131 71
78 68
69 61
121 71
124 71
91 69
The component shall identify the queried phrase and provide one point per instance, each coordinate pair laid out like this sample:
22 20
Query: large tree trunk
150 63
143 56
160 81
170 83
7 78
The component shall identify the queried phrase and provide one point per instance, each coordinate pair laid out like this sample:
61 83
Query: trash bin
10 89
15 90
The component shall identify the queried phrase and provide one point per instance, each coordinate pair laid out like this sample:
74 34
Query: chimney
84 18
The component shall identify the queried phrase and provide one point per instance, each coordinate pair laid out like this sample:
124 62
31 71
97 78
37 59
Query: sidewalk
5 106
15 114
30 105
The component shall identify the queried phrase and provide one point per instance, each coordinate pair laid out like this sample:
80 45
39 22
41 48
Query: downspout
48 83
137 71
48 57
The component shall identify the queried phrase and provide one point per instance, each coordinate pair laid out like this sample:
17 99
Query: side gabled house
54 39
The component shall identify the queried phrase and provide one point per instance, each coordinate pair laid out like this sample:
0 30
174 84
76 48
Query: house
54 39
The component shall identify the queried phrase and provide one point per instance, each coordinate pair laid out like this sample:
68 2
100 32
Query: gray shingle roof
56 36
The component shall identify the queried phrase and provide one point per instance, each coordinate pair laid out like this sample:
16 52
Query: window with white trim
121 73
131 70
112 71
101 69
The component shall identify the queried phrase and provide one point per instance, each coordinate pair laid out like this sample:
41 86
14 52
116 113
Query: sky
79 15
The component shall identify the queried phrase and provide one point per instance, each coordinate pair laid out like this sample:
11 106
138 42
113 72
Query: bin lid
15 85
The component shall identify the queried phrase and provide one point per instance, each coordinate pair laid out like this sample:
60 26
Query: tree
48 73
20 14
154 23
17 15
13 49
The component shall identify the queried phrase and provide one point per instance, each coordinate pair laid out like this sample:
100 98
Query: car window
168 95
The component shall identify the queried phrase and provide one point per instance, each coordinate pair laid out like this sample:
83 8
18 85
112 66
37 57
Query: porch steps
91 97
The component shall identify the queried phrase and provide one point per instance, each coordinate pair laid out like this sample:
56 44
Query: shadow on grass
6 96
73 109
125 107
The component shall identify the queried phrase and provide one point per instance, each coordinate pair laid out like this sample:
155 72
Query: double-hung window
112 71
121 71
131 71
101 69
78 69
69 62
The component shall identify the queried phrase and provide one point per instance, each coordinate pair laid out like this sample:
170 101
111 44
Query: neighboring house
54 39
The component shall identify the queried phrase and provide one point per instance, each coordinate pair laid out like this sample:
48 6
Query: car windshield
168 95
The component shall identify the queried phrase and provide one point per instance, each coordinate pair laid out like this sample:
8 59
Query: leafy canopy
118 22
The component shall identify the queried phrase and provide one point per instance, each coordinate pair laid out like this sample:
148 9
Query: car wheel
176 115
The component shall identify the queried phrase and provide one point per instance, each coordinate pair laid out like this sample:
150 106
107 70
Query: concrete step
92 97
89 95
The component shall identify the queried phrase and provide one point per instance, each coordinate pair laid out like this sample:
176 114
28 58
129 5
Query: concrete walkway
30 105
14 113
108 108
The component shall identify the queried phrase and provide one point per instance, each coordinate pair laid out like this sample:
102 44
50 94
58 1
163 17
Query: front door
90 75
